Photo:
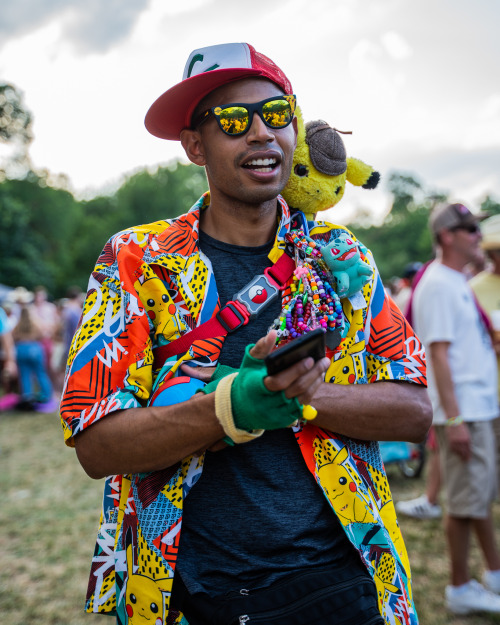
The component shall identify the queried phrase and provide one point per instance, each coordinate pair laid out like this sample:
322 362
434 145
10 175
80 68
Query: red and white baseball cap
207 69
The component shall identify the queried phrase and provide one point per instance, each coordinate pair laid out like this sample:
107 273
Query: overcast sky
417 82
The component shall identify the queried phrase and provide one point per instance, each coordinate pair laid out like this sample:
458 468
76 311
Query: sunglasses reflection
235 119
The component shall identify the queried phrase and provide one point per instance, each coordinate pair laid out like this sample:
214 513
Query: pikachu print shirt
152 284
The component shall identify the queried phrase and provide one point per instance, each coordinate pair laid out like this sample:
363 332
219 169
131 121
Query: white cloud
490 110
175 8
396 46
382 69
89 24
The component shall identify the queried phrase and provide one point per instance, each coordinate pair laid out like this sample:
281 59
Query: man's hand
263 405
459 440
300 381
264 402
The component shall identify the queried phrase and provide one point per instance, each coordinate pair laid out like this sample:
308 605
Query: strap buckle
257 294
226 316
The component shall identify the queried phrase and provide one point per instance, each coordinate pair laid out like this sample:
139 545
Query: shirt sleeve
378 342
394 352
110 360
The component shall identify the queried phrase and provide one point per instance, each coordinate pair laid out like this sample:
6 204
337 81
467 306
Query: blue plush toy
350 272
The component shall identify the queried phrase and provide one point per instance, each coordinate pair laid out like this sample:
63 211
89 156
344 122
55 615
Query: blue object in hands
175 390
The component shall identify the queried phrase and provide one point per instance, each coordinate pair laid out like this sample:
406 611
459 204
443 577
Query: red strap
229 318
281 271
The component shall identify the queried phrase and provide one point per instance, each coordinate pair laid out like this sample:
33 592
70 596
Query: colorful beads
309 301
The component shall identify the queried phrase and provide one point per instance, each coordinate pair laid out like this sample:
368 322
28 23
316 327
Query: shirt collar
179 241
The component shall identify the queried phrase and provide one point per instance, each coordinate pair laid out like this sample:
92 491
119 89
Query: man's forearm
148 439
458 434
397 411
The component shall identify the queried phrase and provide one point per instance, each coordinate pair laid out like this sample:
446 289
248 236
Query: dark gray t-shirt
256 514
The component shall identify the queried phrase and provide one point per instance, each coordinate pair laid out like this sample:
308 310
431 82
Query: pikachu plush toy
321 169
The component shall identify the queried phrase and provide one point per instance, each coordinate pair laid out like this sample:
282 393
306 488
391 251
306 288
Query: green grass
49 511
426 546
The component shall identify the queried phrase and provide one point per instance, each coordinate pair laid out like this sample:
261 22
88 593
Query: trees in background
38 225
404 236
46 235
49 237
143 198
16 131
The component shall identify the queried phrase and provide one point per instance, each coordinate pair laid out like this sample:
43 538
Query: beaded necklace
310 300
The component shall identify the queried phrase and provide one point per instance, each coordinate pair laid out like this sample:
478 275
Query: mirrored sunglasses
236 119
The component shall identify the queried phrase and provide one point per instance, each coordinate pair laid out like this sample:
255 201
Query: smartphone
310 344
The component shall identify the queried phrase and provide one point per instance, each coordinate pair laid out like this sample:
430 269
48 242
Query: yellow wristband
455 420
224 412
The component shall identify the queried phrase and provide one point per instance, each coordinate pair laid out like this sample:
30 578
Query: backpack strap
245 305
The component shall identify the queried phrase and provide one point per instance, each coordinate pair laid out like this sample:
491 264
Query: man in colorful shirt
290 524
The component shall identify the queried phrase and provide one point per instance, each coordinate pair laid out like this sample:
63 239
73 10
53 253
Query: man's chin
264 194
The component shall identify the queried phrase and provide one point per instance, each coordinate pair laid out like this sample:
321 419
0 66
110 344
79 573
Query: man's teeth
262 164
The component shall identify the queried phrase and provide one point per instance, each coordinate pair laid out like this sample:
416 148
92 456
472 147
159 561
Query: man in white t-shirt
462 385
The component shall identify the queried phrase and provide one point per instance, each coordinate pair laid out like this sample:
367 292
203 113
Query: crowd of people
35 337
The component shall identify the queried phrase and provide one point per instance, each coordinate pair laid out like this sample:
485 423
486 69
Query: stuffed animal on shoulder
321 169
344 261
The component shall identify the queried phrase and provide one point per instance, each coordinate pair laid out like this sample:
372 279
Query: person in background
462 385
405 285
35 383
426 506
46 316
14 303
70 315
486 286
7 355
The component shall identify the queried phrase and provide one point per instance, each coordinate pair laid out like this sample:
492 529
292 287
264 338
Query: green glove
255 407
220 372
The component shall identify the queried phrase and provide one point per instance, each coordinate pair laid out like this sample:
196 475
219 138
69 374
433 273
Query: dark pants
339 596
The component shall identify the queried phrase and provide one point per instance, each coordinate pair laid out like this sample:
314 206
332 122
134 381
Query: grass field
49 511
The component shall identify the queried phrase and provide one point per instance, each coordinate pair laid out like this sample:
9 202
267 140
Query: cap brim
482 216
490 245
172 111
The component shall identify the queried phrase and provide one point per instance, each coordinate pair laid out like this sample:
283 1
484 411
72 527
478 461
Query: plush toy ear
361 175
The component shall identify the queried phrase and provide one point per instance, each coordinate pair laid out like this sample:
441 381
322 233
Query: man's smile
261 164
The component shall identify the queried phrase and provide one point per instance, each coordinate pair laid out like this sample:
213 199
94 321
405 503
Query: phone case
310 344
